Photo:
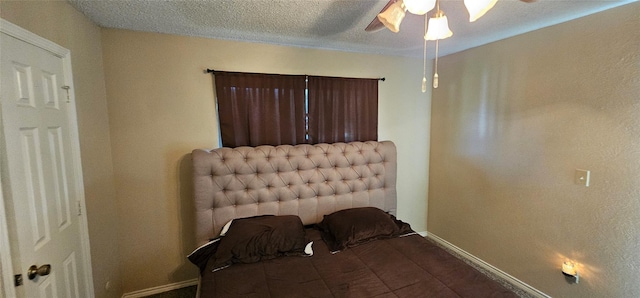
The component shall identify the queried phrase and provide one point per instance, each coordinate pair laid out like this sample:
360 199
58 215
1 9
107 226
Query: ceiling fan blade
375 24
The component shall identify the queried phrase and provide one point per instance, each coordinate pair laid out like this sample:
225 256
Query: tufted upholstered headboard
305 180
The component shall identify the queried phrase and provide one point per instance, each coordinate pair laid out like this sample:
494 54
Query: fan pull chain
424 57
435 74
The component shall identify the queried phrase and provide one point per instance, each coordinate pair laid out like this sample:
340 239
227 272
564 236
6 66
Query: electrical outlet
582 177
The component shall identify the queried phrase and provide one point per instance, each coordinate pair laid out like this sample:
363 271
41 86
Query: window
267 109
342 110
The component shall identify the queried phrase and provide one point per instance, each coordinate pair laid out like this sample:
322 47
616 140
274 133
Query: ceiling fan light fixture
419 7
392 16
477 8
438 27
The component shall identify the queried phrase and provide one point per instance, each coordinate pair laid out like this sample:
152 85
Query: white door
40 173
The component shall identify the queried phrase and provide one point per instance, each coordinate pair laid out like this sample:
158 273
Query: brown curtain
342 109
260 109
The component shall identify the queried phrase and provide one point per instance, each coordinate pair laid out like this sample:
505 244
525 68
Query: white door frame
6 267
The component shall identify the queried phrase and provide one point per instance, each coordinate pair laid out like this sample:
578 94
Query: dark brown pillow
202 254
351 227
252 239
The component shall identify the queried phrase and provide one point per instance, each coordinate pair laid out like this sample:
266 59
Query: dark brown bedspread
408 266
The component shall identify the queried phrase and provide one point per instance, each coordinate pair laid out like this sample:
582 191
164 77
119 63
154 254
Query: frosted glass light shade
392 17
419 7
438 27
478 8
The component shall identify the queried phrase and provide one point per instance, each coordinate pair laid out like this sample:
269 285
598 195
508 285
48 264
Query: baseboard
488 267
161 289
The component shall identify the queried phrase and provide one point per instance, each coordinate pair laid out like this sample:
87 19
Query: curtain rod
209 70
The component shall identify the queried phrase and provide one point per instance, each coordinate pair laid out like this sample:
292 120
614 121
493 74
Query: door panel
34 186
71 276
23 84
59 177
50 94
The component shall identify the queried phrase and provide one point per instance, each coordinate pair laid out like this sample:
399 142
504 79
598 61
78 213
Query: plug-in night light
569 269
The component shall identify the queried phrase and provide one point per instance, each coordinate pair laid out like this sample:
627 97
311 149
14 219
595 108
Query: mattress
407 266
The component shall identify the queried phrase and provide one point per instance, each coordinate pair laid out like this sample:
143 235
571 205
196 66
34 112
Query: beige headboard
305 180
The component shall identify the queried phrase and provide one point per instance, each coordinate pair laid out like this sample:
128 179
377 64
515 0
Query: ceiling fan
438 26
376 24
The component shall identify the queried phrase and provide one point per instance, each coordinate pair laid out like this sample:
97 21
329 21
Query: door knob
42 271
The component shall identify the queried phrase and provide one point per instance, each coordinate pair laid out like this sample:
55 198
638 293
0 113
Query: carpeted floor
188 292
505 283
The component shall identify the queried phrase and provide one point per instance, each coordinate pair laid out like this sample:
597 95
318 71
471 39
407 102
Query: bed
315 221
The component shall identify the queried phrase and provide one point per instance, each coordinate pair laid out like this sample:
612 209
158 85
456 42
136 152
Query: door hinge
79 208
17 280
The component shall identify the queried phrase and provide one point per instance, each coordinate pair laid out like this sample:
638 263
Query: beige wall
161 106
59 22
512 121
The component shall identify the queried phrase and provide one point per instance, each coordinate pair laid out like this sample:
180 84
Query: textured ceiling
331 24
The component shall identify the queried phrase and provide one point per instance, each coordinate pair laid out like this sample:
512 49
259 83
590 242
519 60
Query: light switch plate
582 177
